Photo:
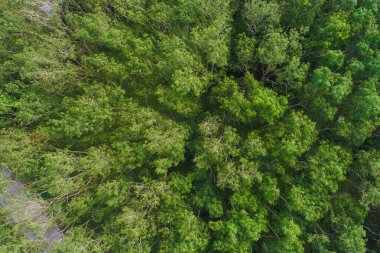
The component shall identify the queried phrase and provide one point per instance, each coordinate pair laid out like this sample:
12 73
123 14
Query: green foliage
290 138
301 14
324 170
363 116
259 15
272 49
351 237
192 125
270 190
239 230
368 166
319 243
327 91
288 232
250 100
244 50
207 199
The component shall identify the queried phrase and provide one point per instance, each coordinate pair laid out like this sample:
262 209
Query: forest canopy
194 125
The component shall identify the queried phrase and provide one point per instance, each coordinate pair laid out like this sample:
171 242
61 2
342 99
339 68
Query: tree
325 169
250 100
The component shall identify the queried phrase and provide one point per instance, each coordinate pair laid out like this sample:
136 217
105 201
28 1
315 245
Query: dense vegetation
195 125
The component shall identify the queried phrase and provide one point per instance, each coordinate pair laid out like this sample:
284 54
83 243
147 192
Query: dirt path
26 211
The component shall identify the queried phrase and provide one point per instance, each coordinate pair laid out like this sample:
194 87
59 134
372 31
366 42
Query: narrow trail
27 211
